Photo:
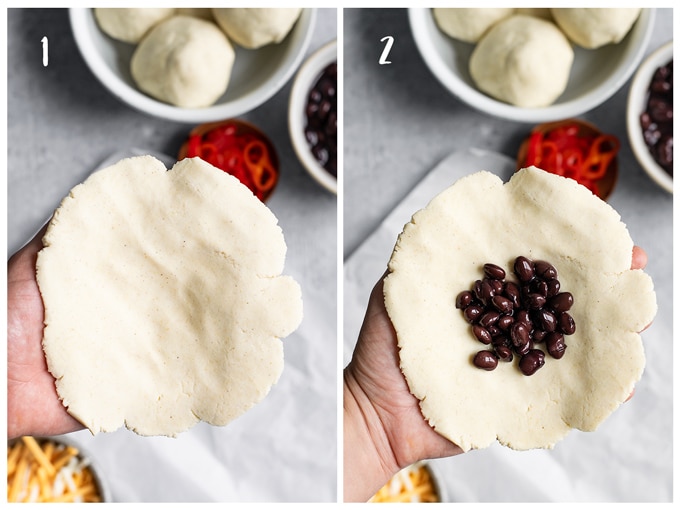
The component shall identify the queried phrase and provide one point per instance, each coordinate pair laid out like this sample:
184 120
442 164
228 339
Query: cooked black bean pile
657 119
513 318
321 113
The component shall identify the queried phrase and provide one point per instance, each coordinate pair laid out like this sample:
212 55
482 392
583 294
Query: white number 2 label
389 41
44 51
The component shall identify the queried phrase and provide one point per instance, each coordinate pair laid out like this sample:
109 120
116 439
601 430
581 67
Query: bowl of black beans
313 116
650 115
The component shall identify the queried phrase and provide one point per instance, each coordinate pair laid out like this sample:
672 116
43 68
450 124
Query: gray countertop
399 123
62 123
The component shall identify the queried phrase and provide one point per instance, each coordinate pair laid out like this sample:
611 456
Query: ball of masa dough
184 61
524 61
468 25
593 28
129 25
254 28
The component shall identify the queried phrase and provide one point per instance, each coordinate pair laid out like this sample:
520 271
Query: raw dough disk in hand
184 61
523 60
164 299
253 28
441 252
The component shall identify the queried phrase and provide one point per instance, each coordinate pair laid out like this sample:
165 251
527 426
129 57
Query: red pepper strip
572 162
208 152
261 169
534 149
193 146
551 158
601 153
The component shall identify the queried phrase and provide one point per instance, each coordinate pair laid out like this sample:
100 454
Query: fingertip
639 258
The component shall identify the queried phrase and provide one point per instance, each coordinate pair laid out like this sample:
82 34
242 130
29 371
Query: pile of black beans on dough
513 318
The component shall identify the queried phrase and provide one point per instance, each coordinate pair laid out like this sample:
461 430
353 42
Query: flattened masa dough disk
164 299
441 253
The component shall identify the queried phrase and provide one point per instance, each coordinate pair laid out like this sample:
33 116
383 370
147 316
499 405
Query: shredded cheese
413 484
43 471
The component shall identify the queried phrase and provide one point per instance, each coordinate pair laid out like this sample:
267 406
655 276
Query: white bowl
637 97
256 76
595 74
304 81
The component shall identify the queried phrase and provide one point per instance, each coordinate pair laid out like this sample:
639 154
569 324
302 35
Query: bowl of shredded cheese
416 483
52 470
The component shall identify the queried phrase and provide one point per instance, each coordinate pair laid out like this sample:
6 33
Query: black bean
494 271
500 339
486 360
664 151
519 334
505 321
511 291
504 353
489 318
553 287
539 287
464 299
502 304
494 330
554 342
546 320
535 301
566 323
538 335
482 334
524 269
496 285
561 302
472 313
523 316
486 291
532 361
545 270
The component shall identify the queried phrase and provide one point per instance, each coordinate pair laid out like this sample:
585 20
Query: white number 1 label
44 48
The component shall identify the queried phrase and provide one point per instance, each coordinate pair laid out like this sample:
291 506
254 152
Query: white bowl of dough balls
532 65
193 65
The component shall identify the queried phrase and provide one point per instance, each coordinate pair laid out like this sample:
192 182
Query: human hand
33 407
384 430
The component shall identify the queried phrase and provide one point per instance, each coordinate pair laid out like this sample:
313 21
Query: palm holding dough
33 407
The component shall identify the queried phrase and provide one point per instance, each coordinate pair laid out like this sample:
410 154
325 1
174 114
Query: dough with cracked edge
592 28
522 60
164 298
441 252
256 27
185 61
468 24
